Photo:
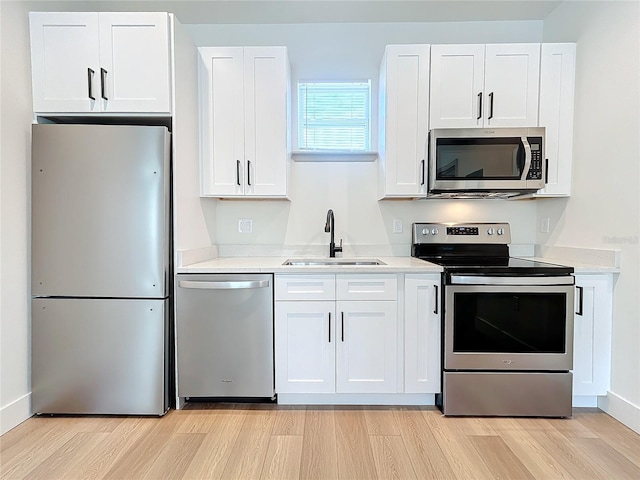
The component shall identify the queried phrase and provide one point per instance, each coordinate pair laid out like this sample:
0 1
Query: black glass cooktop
499 266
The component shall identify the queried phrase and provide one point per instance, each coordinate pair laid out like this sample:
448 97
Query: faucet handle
338 249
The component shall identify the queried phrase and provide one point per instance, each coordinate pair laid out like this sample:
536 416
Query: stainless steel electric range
507 323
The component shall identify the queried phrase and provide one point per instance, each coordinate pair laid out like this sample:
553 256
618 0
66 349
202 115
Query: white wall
15 110
353 51
604 208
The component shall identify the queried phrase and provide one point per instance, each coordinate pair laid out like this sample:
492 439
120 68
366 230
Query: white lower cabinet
366 347
422 365
592 334
344 345
305 347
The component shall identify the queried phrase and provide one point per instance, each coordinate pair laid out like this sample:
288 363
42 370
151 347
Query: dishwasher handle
223 285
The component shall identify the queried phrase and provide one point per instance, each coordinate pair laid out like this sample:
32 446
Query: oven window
479 158
509 322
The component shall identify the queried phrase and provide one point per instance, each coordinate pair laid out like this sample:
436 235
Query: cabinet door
404 119
64 53
221 121
592 335
457 80
366 347
557 86
422 334
134 62
305 339
266 113
511 85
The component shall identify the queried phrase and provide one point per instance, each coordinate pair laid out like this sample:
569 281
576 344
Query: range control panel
482 232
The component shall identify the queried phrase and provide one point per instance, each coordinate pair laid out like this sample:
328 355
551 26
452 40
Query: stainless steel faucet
329 227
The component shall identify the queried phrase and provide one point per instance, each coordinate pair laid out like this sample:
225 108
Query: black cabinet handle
248 172
490 106
329 327
238 172
435 308
103 83
423 171
90 73
546 171
342 333
479 106
580 300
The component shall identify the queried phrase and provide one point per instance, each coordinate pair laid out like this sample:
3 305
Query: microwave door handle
527 158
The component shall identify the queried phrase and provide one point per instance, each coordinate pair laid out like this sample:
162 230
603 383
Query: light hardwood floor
240 441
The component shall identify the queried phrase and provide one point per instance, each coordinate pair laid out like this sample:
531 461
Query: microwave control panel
536 169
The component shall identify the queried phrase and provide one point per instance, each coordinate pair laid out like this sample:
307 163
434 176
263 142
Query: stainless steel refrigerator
101 268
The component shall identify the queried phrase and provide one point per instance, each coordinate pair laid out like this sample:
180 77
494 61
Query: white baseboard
15 413
621 409
356 399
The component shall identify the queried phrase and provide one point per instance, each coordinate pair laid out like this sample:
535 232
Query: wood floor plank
290 420
319 450
25 455
211 458
502 462
175 457
355 458
614 433
533 456
65 459
569 458
381 421
391 458
426 456
283 458
135 462
462 457
117 444
612 462
251 445
570 428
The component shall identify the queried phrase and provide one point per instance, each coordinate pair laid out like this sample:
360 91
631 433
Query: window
334 116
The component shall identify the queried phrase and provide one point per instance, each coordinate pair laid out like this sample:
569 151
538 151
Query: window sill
333 156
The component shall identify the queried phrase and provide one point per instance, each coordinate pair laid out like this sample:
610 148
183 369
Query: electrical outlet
397 225
544 225
245 225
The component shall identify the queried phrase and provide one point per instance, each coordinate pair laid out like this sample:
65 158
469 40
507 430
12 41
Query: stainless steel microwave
499 162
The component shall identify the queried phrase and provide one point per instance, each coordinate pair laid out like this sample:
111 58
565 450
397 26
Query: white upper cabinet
244 102
484 85
100 62
557 88
404 120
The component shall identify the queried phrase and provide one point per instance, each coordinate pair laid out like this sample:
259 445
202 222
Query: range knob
425 231
434 231
500 231
490 231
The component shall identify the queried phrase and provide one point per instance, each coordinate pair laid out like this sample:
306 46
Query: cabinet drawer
367 287
305 287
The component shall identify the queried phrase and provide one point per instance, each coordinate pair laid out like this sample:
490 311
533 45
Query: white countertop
578 267
275 265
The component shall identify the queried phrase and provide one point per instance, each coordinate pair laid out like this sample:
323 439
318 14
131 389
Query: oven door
509 323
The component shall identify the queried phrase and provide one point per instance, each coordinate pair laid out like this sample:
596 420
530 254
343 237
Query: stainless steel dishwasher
224 329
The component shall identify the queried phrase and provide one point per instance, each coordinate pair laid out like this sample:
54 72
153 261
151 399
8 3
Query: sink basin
331 262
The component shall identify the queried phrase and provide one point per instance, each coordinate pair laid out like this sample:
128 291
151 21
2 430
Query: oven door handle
484 280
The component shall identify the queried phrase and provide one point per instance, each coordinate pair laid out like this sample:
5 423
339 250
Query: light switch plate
397 225
544 225
245 225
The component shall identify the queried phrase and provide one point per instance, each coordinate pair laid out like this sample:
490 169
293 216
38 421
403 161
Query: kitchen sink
331 262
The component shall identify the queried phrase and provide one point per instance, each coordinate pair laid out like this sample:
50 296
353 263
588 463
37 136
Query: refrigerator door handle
223 285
